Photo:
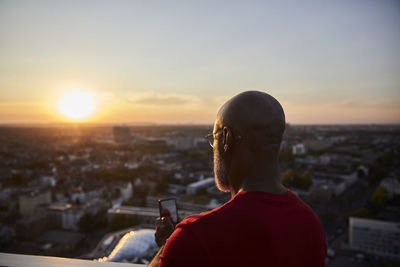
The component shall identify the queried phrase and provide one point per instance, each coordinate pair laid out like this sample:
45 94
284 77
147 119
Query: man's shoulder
205 217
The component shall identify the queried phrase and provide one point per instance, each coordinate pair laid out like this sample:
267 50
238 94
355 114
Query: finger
168 223
162 228
159 221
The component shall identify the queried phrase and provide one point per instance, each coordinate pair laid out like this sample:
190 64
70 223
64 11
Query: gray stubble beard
221 172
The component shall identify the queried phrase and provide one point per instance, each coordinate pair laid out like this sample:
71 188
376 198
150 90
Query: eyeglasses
211 137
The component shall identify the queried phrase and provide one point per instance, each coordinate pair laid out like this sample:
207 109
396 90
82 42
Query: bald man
264 224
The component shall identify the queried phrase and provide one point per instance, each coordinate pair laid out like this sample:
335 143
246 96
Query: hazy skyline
178 61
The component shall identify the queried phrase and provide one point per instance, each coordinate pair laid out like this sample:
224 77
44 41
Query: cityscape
91 191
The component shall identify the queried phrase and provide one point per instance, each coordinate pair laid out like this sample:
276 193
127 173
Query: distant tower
122 134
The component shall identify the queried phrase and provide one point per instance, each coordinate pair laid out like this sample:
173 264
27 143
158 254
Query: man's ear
227 138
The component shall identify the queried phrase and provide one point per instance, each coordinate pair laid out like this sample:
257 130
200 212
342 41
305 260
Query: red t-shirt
252 229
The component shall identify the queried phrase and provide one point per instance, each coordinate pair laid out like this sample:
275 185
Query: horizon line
144 124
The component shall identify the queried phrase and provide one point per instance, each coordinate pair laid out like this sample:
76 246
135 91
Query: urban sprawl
80 190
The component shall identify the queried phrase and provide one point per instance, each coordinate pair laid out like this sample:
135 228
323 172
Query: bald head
248 132
256 115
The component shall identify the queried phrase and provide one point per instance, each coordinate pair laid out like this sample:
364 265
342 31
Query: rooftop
375 224
17 260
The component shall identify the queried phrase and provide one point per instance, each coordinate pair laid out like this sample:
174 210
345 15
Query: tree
16 179
380 196
306 180
122 221
288 177
162 185
385 263
291 179
380 168
285 155
328 216
89 222
141 190
86 222
202 191
363 212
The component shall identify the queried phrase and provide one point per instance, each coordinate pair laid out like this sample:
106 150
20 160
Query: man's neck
268 187
258 175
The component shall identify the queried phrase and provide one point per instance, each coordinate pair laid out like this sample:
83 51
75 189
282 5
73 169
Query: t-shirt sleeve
183 249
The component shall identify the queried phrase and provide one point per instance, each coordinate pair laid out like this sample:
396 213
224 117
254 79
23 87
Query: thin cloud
164 99
359 104
367 104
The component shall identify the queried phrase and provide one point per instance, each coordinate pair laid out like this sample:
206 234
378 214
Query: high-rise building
380 238
122 134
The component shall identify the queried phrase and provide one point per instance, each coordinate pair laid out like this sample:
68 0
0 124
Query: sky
179 61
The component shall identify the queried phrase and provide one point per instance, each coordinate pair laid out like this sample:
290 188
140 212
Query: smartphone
168 209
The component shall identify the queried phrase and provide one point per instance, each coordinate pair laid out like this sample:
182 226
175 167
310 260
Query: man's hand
164 229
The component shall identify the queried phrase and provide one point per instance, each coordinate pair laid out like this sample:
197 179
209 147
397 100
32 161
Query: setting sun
77 104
